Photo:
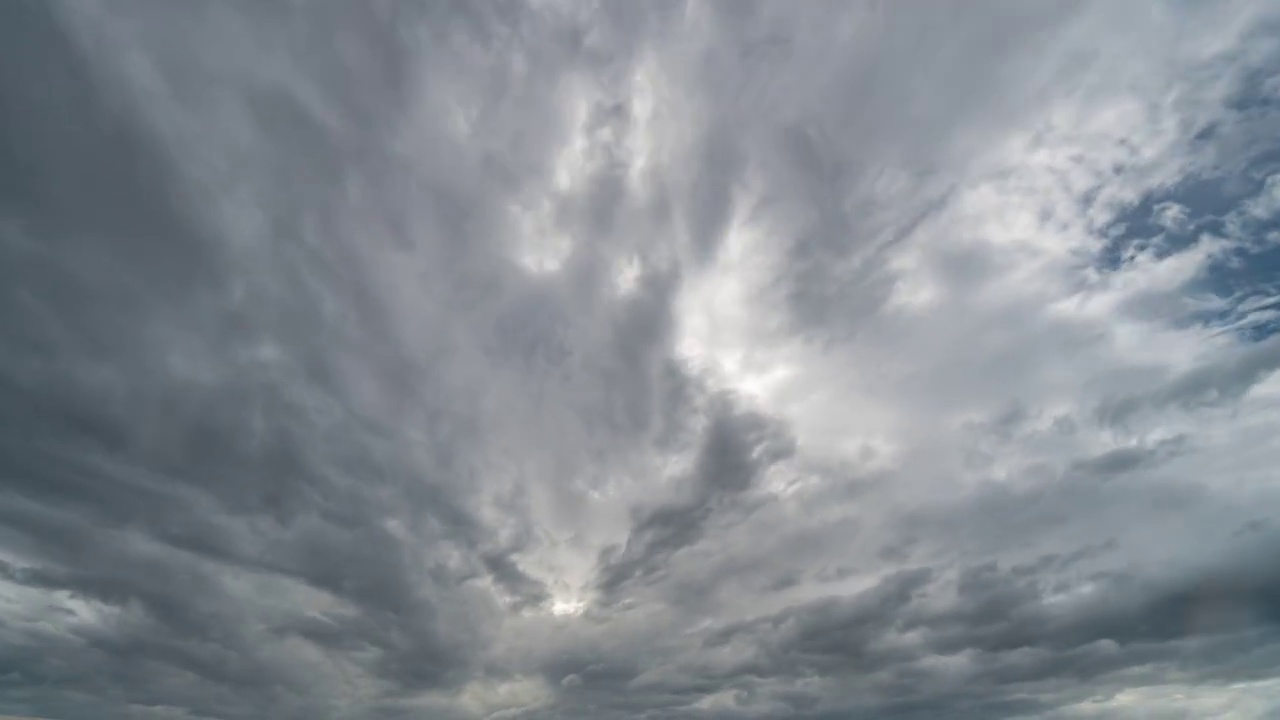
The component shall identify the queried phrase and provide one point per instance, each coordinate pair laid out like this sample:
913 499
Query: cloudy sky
825 360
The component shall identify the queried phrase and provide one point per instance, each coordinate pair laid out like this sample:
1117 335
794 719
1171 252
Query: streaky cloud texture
728 360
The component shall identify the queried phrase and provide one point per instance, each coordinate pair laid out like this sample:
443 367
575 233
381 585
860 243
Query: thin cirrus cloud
681 360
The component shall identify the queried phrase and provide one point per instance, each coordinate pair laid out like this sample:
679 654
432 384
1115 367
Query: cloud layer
668 360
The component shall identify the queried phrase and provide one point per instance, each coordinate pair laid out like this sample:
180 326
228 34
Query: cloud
737 448
690 360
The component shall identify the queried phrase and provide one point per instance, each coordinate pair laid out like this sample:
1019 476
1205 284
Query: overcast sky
817 360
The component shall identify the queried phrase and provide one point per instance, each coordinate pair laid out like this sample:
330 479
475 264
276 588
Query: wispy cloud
689 360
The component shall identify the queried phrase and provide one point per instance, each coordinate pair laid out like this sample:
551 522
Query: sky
669 360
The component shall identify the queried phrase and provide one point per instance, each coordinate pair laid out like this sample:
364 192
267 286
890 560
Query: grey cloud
507 573
1127 459
149 455
186 407
677 360
1003 627
712 193
1210 385
735 449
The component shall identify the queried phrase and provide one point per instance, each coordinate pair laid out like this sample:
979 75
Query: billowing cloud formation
666 360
